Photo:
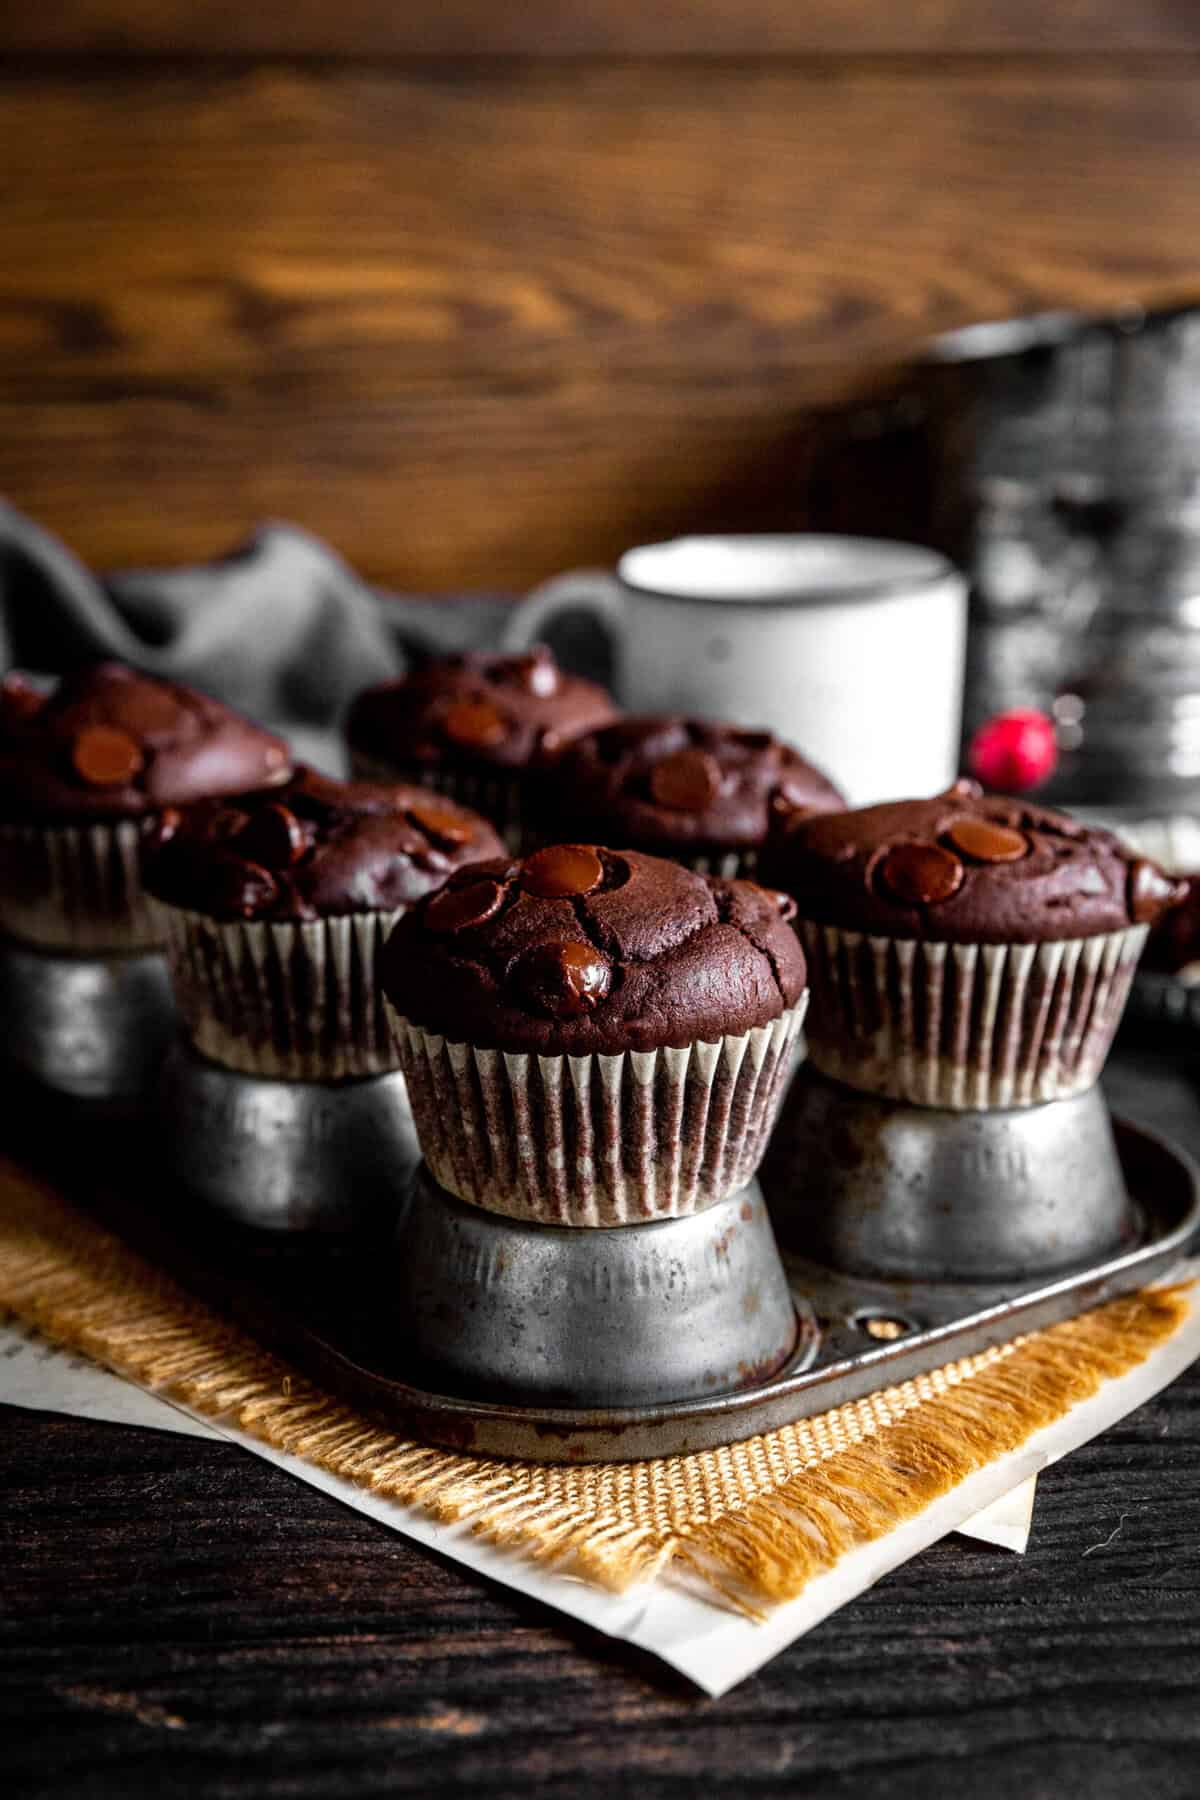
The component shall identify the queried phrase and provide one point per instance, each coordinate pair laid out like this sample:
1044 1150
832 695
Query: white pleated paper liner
730 865
76 887
597 1140
497 797
966 1025
297 1000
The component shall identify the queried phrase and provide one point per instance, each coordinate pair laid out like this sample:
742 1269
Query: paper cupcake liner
76 887
966 1026
298 1000
597 1140
497 797
730 865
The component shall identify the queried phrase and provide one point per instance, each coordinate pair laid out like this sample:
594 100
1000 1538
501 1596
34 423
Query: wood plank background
476 317
605 27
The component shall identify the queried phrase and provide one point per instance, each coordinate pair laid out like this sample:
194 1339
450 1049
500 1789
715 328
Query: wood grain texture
603 27
178 1618
476 324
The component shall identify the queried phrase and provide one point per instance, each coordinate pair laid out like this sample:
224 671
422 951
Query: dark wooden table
176 1617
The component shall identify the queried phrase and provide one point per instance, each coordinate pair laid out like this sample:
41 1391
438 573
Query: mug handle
594 591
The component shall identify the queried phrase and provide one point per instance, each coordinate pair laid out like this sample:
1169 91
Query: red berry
1015 751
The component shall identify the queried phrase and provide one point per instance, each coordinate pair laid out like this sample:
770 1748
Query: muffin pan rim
961 1320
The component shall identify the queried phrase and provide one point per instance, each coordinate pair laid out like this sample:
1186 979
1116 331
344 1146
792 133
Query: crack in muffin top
582 950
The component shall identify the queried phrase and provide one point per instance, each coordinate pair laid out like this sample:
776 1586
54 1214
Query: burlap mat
753 1522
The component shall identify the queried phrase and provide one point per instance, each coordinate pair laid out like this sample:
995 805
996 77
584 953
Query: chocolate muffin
478 727
707 794
966 951
277 904
593 1037
1173 947
84 773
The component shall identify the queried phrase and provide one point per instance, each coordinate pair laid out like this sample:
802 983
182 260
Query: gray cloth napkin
281 628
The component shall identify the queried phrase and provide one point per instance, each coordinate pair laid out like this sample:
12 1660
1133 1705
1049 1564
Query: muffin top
687 783
110 743
311 849
580 950
965 868
477 710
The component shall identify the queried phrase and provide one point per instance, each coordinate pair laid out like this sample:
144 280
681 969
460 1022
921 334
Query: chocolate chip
688 781
147 708
986 842
215 823
274 837
160 829
790 796
1050 824
458 908
966 787
439 824
537 674
1149 892
921 874
785 903
562 871
564 979
476 724
434 862
241 889
19 699
105 756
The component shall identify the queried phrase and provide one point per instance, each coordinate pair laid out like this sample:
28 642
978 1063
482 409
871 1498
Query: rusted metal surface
285 1156
326 1306
947 1320
629 1315
877 1187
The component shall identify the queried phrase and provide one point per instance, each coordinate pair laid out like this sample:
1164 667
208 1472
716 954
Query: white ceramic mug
849 648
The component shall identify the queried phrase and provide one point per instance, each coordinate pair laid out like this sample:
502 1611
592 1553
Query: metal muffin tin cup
624 1315
881 1188
92 1026
286 1156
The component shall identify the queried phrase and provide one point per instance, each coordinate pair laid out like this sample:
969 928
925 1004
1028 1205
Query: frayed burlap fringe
752 1522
